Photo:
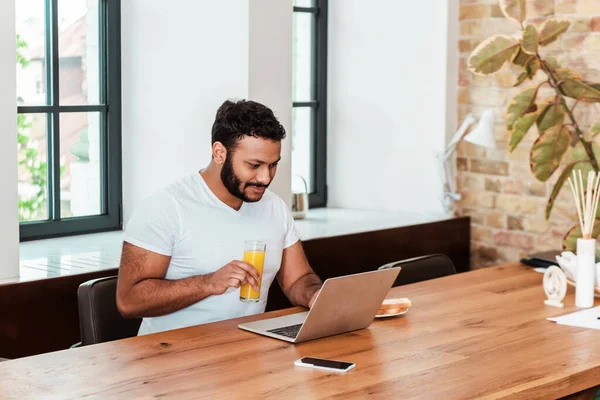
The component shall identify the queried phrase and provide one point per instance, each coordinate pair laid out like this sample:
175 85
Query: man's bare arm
143 291
296 278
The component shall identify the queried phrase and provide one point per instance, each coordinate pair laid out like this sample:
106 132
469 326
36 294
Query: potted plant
553 116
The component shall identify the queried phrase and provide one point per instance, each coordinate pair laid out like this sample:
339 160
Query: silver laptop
345 304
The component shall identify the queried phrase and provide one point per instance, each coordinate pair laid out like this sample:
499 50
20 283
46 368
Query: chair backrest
422 268
99 318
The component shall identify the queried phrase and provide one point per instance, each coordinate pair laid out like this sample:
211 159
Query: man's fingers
234 282
249 269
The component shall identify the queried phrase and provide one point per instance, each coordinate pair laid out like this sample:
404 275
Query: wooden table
480 334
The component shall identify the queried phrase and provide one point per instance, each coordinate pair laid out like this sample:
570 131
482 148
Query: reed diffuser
586 201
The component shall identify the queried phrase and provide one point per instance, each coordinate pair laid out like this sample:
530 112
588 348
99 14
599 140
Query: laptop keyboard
287 331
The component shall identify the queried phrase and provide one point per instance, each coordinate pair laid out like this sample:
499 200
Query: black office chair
99 318
422 268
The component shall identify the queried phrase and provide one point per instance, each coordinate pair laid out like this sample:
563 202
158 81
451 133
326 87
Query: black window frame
318 197
109 108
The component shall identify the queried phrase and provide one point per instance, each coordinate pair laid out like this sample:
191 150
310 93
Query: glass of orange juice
254 254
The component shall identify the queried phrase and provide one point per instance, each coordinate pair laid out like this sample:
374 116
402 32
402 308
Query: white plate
391 315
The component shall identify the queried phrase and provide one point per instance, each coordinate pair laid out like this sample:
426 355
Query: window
309 93
69 116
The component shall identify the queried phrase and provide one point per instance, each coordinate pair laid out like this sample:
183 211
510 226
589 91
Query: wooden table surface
480 334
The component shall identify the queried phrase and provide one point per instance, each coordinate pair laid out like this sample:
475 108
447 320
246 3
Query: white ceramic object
568 262
555 286
586 273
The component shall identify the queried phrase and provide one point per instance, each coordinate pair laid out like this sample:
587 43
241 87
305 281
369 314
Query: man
182 247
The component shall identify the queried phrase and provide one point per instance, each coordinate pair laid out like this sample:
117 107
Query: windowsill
42 259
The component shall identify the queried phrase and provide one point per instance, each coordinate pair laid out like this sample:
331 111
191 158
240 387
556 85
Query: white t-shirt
201 234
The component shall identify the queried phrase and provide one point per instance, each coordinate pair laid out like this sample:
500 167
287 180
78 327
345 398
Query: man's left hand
313 298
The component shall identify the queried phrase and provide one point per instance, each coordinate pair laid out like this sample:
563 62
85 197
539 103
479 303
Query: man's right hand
233 275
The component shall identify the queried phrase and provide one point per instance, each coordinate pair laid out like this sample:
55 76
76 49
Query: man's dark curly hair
236 119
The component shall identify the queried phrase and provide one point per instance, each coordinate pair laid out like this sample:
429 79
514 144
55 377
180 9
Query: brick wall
506 203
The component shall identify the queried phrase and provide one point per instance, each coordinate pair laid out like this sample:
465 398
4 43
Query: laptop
344 304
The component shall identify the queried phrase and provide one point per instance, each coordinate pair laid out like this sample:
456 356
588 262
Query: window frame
109 108
318 197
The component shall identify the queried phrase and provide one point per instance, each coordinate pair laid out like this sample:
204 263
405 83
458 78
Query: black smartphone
321 363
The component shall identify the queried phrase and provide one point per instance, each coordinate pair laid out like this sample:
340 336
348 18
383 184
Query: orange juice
257 260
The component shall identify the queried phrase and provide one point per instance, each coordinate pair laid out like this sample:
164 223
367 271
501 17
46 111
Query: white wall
179 63
9 222
270 74
388 91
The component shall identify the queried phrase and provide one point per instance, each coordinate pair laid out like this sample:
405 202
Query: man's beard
233 184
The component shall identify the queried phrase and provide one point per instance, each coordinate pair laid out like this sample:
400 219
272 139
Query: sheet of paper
589 318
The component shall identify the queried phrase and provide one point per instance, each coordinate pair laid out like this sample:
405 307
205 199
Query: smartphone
328 365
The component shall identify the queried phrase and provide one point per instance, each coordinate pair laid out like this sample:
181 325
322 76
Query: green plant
30 207
81 148
558 129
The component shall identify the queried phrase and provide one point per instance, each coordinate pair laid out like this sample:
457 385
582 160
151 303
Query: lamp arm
462 130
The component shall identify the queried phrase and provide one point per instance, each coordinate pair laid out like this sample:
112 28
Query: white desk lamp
482 135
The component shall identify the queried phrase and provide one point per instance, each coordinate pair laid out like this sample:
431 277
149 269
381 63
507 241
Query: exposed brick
565 6
536 223
489 167
471 11
522 151
496 12
592 42
470 28
487 96
518 204
493 185
572 41
477 217
496 220
513 186
498 26
537 189
514 222
482 234
487 254
504 200
504 79
461 164
475 151
473 182
539 8
466 45
478 199
580 24
519 170
595 25
587 7
514 239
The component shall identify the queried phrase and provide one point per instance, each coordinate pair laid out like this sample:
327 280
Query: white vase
586 273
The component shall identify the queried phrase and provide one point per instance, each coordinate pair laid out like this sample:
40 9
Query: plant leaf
522 76
579 154
553 115
551 61
564 175
566 73
514 9
522 126
570 239
529 43
551 29
491 54
595 129
548 151
519 105
521 58
577 89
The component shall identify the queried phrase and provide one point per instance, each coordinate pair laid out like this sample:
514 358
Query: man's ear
219 153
